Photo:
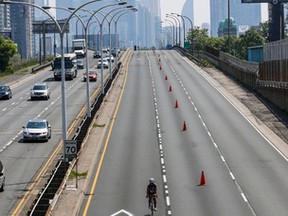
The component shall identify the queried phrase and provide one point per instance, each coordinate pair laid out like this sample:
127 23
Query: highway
204 133
23 161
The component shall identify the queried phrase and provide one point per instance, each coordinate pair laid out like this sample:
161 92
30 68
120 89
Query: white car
37 129
39 91
2 177
105 63
108 58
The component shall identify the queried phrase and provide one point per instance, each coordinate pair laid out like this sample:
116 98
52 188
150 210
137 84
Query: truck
70 66
79 47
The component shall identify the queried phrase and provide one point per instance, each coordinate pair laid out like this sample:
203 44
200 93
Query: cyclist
151 192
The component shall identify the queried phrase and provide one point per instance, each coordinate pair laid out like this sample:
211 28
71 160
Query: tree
199 38
264 30
7 49
251 38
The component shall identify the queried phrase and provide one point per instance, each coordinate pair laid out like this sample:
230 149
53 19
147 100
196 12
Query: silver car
37 129
105 64
2 177
40 91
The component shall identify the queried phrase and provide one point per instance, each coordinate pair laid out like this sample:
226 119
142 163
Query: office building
21 29
188 11
243 14
5 27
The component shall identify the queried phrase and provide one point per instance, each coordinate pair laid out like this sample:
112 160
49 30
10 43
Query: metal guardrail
40 67
186 53
247 67
272 84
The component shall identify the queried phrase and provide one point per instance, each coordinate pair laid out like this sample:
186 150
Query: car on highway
40 91
105 64
5 92
80 64
37 129
97 54
2 177
115 52
92 76
108 58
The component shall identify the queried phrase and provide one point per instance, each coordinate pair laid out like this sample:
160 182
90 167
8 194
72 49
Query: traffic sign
264 1
70 149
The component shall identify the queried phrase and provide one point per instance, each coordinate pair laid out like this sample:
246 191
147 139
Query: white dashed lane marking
160 145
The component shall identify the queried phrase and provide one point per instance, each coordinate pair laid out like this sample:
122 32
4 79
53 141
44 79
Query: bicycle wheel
152 207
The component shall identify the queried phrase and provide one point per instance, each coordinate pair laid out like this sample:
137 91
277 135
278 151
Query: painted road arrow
122 212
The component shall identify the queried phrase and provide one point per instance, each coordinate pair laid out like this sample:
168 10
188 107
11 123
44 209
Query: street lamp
173 29
184 38
228 26
168 34
177 21
77 26
191 24
70 10
109 28
101 42
61 32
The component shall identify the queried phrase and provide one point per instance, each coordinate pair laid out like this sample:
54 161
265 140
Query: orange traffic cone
184 126
170 88
202 180
176 104
166 77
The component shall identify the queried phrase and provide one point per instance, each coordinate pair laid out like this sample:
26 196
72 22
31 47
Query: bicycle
151 204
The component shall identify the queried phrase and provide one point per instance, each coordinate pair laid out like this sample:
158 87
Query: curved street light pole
176 28
184 29
109 31
61 32
101 25
191 23
168 34
170 30
116 41
173 29
177 21
70 10
77 25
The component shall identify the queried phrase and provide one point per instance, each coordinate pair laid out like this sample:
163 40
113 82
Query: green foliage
7 49
236 46
199 38
73 175
264 30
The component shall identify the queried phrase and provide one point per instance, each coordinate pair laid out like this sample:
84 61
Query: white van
2 177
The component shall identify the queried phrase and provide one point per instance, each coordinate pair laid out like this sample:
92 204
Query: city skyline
201 10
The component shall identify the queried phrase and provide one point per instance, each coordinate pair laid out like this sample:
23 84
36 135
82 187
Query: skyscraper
5 18
188 11
148 23
21 28
243 14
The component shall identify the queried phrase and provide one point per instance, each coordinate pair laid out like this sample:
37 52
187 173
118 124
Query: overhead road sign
48 26
264 1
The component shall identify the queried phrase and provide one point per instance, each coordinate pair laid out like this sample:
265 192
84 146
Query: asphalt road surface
205 133
22 161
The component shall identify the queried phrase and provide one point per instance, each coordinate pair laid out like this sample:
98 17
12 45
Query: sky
201 10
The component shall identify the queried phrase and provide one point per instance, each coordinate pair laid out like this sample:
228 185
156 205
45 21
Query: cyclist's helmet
151 180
